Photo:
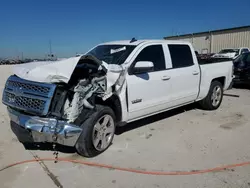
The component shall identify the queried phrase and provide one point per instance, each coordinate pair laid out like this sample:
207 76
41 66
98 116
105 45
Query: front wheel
98 132
214 97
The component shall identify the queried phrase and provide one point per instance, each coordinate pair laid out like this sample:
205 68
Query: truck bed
215 68
210 60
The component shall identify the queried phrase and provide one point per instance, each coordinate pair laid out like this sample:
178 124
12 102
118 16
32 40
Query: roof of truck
137 42
126 42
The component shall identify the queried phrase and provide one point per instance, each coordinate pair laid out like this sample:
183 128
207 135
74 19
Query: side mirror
143 67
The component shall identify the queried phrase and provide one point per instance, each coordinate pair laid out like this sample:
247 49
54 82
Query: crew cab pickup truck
231 53
79 101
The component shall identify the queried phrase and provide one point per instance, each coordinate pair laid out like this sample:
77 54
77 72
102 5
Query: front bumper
33 129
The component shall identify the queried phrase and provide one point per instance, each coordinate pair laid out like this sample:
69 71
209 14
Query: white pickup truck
79 101
232 53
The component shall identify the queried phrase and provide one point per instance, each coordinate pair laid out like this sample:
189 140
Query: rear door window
181 55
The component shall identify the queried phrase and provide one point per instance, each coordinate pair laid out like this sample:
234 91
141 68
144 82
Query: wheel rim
103 132
216 96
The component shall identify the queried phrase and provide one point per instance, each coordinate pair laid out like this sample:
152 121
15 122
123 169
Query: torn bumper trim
45 129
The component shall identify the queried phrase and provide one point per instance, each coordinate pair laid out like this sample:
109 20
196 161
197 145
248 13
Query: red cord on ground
221 168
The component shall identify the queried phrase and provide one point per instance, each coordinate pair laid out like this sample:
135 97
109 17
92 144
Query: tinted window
154 54
225 51
242 60
181 55
245 50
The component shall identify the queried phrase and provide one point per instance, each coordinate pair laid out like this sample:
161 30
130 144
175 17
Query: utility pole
50 49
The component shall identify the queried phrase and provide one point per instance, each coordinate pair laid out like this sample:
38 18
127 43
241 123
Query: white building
214 41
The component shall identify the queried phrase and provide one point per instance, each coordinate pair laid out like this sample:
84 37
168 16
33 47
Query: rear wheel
214 97
98 132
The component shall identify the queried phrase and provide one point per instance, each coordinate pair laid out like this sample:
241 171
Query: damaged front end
51 106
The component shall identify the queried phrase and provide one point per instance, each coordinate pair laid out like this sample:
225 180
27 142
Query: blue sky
75 26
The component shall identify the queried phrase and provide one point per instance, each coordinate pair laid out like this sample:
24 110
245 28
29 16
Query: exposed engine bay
77 91
88 82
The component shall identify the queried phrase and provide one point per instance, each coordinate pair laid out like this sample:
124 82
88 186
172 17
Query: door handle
195 73
166 78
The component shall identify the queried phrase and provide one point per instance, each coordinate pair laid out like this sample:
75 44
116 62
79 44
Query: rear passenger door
148 92
184 74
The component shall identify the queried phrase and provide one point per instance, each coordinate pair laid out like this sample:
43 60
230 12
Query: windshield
229 51
112 54
242 57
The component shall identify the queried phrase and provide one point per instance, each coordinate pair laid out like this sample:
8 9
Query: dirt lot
184 139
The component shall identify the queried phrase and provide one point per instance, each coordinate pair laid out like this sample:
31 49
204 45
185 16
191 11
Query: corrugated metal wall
201 43
233 39
219 40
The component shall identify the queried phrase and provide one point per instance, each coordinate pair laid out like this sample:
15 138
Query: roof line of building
204 32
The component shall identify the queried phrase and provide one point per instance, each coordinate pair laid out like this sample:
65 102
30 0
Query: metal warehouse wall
215 41
230 39
201 43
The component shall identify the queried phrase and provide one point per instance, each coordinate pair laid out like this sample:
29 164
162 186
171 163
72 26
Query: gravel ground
184 139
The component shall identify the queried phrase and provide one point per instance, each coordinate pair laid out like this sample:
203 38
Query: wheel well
221 80
114 103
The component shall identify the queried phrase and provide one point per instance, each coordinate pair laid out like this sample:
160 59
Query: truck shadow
241 86
154 118
119 130
49 147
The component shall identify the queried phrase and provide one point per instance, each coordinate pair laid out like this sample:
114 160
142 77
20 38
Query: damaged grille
28 87
25 102
31 97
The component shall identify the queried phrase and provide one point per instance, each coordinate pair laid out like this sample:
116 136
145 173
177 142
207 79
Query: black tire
84 145
206 103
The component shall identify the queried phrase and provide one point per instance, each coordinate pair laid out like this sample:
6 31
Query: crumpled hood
105 85
47 71
61 71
